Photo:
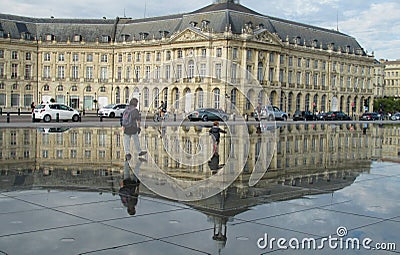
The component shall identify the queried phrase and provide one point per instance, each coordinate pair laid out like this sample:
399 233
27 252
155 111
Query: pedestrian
33 106
215 132
131 128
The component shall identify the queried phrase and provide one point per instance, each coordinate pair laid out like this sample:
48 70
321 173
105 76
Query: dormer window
163 33
125 37
26 35
205 23
49 37
77 38
143 35
261 26
105 38
193 23
1 33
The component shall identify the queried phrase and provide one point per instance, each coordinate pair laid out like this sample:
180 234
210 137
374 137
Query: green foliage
387 105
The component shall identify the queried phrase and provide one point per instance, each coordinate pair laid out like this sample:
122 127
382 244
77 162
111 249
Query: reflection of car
112 110
337 115
48 112
54 130
206 114
303 115
396 116
270 112
371 116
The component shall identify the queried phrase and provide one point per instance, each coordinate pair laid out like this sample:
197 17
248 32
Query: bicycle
157 117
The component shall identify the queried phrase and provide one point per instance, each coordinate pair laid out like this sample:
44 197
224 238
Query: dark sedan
206 114
371 116
303 115
337 115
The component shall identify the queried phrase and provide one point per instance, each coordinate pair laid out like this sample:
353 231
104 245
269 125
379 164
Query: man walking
131 127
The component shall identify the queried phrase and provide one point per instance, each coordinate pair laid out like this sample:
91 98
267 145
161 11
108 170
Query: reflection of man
129 188
214 162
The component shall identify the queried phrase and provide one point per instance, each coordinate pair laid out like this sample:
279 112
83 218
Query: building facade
392 78
224 55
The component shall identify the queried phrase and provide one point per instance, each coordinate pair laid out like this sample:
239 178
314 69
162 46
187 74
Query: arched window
126 95
307 103
290 102
46 87
60 88
88 89
323 103
261 97
298 101
156 97
117 95
233 98
146 97
217 95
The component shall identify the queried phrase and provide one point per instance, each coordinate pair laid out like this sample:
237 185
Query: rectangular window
14 71
46 72
89 58
1 53
168 72
271 75
178 71
28 72
1 70
75 57
28 56
290 61
147 73
203 70
104 58
47 57
60 72
219 52
75 72
218 71
89 72
14 55
234 53
61 57
119 73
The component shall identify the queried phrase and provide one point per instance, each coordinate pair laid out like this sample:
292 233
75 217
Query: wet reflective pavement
327 186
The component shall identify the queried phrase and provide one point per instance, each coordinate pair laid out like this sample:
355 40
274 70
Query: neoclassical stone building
222 55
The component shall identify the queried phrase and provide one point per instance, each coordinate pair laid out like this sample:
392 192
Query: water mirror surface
327 189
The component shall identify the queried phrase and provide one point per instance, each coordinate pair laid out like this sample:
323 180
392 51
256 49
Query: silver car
270 112
112 110
396 116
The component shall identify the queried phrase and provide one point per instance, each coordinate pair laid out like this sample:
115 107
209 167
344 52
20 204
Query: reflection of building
307 147
84 62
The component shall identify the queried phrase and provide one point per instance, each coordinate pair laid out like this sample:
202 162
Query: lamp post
68 98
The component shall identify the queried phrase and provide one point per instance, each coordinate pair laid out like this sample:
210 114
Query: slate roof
219 16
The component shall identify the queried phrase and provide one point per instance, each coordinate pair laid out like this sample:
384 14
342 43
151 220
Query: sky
374 23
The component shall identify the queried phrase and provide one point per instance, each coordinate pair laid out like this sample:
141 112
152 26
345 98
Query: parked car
49 112
112 110
270 112
303 115
321 116
206 114
337 115
396 116
371 116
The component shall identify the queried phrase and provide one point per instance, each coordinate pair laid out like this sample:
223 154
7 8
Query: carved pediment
267 37
189 35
